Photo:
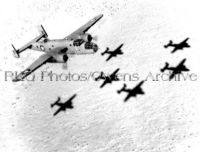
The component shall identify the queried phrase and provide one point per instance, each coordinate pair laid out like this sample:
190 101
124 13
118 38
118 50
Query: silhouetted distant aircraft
179 46
132 92
114 53
63 106
108 79
175 70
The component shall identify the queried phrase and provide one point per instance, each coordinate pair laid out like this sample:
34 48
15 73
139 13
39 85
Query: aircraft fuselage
63 46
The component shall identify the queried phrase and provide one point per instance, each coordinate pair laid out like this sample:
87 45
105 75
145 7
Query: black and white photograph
100 76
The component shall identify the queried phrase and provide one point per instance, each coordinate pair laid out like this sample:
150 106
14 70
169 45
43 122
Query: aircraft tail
101 76
123 88
169 44
118 91
52 105
15 51
106 51
165 67
28 45
43 32
55 103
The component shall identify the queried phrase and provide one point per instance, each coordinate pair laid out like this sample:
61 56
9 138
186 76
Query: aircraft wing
118 50
184 41
141 91
59 110
110 56
174 50
182 62
138 87
181 66
139 84
172 75
84 28
104 83
68 103
72 98
127 97
39 62
115 72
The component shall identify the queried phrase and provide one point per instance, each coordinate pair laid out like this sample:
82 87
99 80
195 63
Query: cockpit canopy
78 42
87 45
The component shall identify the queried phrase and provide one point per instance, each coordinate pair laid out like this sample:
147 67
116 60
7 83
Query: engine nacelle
61 58
86 37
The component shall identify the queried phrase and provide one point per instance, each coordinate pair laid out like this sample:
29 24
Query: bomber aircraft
178 46
132 92
175 70
63 106
58 50
113 53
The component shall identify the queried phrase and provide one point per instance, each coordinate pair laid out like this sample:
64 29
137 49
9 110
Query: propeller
95 38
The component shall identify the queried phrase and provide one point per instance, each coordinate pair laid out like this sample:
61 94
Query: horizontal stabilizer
106 51
165 67
28 45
